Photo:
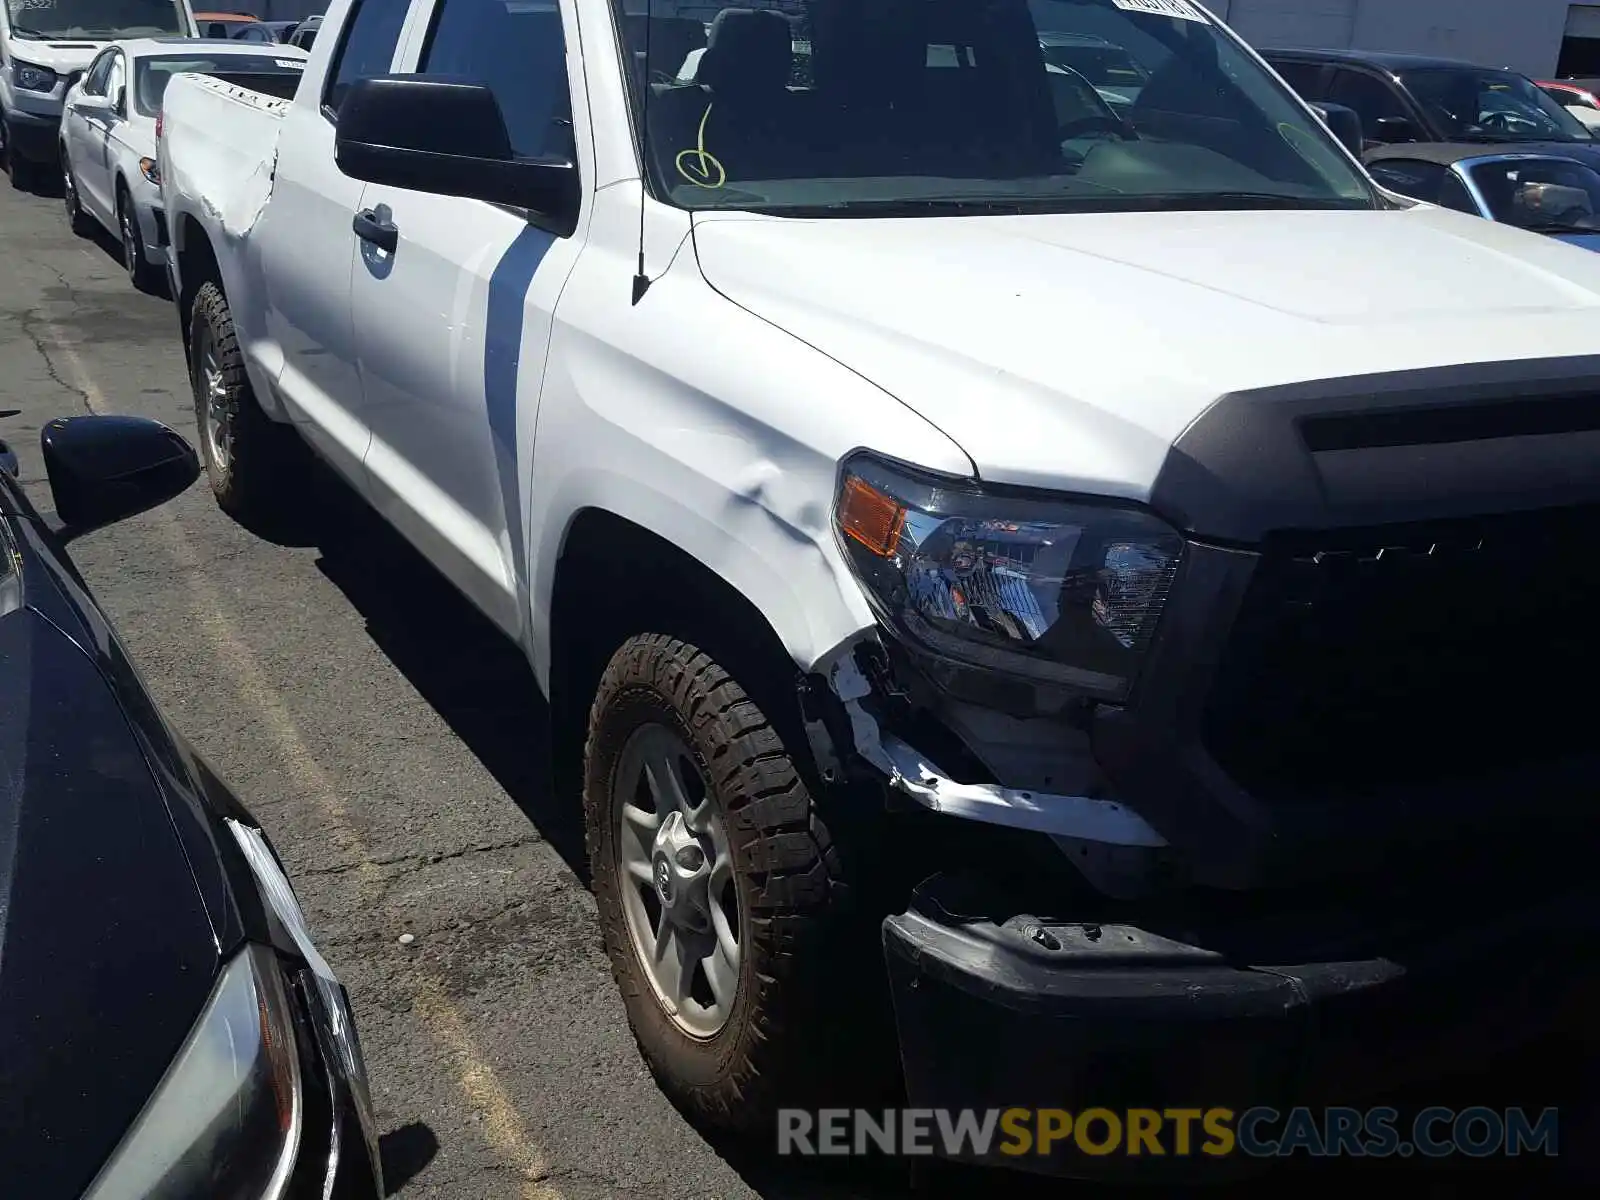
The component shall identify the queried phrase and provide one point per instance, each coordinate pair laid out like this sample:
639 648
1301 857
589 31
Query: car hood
106 952
61 55
1070 351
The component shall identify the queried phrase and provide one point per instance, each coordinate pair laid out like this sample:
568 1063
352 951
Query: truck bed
219 144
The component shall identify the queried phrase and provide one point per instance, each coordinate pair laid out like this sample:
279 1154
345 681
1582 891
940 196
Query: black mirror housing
104 469
1344 123
1396 129
448 137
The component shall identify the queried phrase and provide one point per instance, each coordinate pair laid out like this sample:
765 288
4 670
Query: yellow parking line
476 1079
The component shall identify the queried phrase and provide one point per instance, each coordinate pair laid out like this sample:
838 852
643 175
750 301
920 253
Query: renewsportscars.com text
1177 1132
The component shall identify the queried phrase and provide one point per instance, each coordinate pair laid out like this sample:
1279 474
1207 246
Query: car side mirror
449 138
1344 124
104 469
1395 129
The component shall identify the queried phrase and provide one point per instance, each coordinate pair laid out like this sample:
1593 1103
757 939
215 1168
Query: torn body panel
1109 843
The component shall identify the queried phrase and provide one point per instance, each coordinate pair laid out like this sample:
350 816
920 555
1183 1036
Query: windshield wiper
1562 227
985 206
1208 201
990 206
23 31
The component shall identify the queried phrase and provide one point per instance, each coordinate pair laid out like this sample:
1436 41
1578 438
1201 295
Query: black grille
1413 654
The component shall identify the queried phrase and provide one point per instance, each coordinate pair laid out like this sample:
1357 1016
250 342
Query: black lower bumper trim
1039 1014
34 137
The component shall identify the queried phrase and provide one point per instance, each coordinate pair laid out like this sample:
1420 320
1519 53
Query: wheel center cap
664 887
679 870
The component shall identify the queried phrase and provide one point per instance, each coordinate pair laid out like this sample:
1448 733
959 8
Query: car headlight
32 78
225 1119
149 169
1053 590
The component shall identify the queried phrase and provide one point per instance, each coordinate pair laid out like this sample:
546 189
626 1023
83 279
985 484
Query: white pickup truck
1108 562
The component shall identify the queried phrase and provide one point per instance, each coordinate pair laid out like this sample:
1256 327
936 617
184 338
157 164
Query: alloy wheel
676 871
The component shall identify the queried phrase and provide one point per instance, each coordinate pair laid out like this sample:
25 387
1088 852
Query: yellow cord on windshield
702 169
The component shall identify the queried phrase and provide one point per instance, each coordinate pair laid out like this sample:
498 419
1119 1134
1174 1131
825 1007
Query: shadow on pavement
406 1152
463 666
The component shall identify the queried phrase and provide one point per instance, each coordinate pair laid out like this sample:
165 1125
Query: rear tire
808 966
251 461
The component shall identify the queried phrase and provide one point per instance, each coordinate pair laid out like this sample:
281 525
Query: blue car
1543 192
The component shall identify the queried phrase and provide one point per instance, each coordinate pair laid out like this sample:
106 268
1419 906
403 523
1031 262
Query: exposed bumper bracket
909 772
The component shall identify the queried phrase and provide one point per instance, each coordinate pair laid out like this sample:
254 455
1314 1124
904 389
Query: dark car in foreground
1404 98
167 1027
1544 193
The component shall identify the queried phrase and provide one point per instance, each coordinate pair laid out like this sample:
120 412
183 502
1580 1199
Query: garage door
1304 23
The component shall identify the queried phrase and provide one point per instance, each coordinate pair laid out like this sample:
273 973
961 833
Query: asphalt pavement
393 745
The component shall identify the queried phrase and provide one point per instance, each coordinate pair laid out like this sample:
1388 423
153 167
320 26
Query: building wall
1524 35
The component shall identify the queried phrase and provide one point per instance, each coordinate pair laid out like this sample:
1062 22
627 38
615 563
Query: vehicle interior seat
740 104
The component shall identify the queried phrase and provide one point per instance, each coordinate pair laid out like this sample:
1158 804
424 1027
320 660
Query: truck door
307 225
453 301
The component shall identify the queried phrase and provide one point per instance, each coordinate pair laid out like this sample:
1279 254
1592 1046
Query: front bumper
34 136
1301 1008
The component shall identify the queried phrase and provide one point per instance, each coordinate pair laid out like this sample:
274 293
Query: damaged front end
1125 921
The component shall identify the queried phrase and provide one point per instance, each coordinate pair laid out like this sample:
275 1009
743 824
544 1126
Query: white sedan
108 136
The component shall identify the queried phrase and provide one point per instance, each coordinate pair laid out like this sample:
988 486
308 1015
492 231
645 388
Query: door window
1371 98
1453 194
94 83
115 81
1419 180
517 49
1303 77
371 34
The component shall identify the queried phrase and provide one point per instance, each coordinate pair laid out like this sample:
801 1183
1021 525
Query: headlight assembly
225 1119
1052 590
31 78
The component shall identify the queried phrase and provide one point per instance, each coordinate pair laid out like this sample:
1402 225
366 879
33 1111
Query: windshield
1472 105
151 75
96 18
822 107
1544 193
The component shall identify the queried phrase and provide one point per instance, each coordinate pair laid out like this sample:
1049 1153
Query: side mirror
1344 124
105 469
1395 129
449 138
119 101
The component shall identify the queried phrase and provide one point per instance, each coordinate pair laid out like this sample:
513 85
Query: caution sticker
1180 10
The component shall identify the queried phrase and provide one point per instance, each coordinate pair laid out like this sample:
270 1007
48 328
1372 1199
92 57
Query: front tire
742 997
140 273
251 461
77 219
22 171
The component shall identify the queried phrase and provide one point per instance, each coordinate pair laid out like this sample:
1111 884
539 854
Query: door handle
380 231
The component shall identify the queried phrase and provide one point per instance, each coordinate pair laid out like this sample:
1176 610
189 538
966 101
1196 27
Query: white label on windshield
1180 10
290 64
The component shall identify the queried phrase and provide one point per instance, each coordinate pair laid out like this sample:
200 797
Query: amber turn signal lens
871 517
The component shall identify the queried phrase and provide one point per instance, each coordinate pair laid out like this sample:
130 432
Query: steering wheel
1097 123
1502 122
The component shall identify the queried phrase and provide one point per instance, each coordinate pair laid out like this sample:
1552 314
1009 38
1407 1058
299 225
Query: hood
1070 351
106 954
61 55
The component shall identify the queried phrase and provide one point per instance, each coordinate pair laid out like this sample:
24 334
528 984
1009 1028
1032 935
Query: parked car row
47 46
1479 140
1072 576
